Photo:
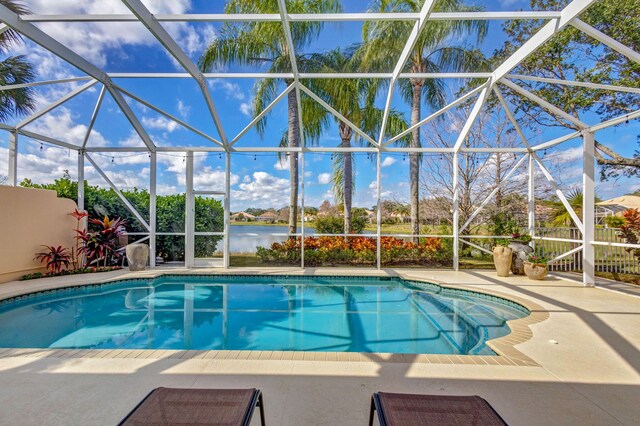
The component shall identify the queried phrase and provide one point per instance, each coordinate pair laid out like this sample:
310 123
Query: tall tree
354 99
263 44
15 70
573 55
434 51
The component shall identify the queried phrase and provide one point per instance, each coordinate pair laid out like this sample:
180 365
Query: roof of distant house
626 201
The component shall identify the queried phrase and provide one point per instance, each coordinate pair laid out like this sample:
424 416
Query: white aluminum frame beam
94 116
437 114
503 181
49 43
586 84
333 111
570 12
289 75
53 105
264 112
559 192
42 83
543 103
296 17
606 40
477 107
169 116
511 117
124 199
404 56
160 33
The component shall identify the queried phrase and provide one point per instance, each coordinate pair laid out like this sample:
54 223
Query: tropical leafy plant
614 221
15 70
537 259
170 214
101 243
630 231
335 225
55 257
325 251
523 238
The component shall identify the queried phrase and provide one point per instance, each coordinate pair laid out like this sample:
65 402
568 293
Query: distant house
267 217
242 217
615 206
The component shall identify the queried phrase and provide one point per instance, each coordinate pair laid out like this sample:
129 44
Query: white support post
531 201
456 214
189 214
588 210
13 158
227 209
301 208
378 212
153 173
81 180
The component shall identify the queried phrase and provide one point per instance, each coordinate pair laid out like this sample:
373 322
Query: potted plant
521 250
502 257
536 267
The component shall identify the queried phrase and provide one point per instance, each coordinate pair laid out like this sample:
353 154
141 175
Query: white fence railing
556 241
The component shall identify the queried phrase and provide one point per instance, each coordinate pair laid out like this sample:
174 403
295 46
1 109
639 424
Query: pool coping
504 347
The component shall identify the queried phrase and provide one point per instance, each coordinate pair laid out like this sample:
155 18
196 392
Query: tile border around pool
504 346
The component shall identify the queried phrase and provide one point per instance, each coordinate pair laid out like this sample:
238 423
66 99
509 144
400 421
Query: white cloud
160 123
262 190
93 40
231 90
388 161
281 165
246 109
324 178
183 109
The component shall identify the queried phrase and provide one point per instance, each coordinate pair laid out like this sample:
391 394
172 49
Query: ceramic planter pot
502 257
535 271
137 256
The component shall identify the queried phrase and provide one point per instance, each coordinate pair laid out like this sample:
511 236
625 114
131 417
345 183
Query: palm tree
559 214
264 44
432 52
354 99
15 70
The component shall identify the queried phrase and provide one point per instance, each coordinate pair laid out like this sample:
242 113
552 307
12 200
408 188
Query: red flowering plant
630 230
77 258
101 244
351 251
55 257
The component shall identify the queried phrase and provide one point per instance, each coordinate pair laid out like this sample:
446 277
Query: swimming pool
283 313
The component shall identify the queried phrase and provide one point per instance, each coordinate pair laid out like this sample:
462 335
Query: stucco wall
30 218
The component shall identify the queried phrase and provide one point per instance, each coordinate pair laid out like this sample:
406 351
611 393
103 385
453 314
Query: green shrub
335 224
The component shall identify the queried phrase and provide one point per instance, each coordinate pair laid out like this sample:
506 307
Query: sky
257 180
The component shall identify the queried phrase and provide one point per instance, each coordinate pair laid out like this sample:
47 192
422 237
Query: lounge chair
167 406
396 409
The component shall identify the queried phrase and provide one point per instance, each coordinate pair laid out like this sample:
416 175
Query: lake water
240 242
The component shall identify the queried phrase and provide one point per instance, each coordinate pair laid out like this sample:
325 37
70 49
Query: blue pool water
340 314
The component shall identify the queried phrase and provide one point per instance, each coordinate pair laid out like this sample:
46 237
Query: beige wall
30 218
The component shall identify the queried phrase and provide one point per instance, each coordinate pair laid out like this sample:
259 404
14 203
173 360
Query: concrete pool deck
586 351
